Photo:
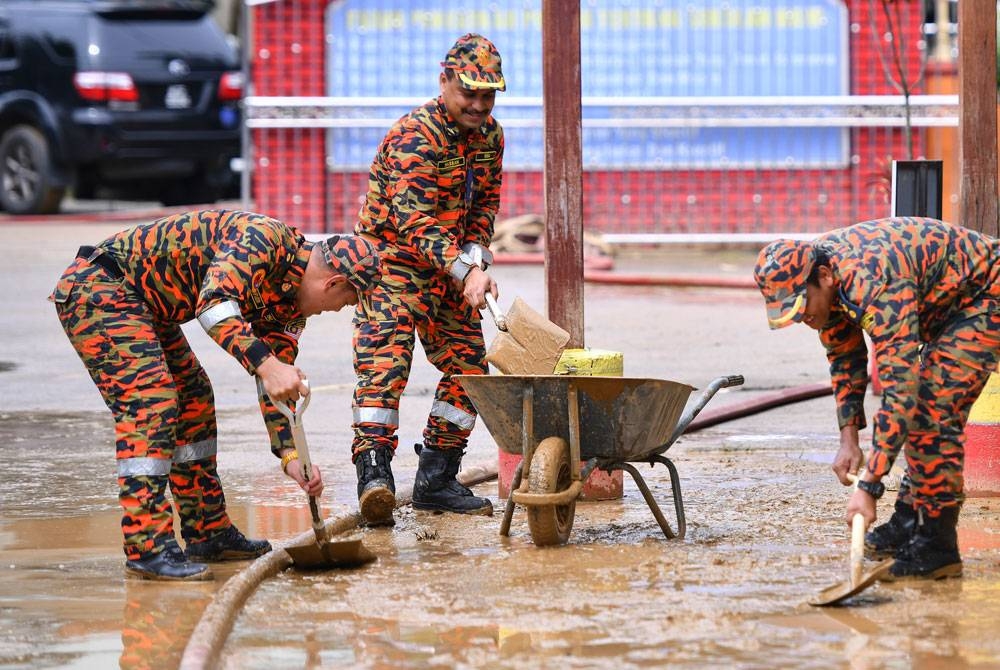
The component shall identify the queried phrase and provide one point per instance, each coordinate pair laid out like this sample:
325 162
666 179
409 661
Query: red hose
759 404
597 277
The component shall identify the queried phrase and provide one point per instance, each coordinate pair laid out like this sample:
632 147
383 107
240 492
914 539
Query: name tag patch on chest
485 156
451 163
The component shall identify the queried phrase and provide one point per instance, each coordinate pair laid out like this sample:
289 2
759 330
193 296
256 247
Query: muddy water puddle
765 534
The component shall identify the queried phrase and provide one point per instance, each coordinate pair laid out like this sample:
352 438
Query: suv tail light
106 86
231 86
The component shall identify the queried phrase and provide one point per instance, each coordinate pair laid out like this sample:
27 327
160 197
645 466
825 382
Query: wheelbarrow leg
654 507
508 510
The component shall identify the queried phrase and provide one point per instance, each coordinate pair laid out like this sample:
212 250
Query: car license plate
177 97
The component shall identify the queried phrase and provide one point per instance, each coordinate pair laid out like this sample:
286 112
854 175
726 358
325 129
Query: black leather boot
169 565
885 540
376 487
229 545
436 489
932 552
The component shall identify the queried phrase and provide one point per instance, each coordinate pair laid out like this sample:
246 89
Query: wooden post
561 95
977 83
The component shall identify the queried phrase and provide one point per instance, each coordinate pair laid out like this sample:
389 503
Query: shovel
859 580
527 344
324 554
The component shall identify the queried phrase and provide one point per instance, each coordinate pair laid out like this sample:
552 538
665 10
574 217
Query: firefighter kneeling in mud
928 295
434 190
250 281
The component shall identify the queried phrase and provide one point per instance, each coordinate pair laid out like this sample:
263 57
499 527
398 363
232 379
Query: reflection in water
157 620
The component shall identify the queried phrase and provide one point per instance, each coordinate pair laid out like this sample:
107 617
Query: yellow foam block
986 409
591 362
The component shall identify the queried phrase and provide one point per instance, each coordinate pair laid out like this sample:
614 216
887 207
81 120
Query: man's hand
314 486
282 382
476 284
849 456
863 504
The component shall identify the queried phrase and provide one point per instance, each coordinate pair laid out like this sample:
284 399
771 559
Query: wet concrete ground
765 527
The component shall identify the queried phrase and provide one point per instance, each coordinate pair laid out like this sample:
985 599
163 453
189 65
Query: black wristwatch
874 489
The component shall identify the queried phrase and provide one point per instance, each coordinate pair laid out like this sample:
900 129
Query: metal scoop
324 554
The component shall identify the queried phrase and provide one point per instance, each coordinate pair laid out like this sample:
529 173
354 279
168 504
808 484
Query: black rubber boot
169 565
436 489
229 545
376 487
932 552
885 540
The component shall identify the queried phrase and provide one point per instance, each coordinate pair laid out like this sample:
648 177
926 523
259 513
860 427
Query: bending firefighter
927 294
251 282
434 189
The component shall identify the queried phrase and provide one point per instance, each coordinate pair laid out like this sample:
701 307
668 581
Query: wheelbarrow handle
499 318
691 412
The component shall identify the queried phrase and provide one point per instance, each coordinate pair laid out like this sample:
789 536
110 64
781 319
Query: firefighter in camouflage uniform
250 281
927 294
433 192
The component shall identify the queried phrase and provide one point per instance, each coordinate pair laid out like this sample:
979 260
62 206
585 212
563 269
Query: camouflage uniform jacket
431 190
900 280
246 267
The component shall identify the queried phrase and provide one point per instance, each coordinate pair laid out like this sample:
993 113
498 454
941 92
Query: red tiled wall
291 182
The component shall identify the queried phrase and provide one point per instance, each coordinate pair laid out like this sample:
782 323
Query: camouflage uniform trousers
163 407
954 369
407 304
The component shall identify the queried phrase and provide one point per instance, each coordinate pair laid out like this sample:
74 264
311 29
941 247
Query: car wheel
27 179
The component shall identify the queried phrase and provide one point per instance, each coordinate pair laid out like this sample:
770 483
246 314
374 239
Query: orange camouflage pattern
127 331
927 294
431 190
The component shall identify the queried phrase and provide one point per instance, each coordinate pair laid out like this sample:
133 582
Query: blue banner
629 49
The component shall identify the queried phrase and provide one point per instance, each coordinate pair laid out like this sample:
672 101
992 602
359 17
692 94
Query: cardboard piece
531 344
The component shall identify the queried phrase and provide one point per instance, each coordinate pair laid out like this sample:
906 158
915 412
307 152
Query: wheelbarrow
558 421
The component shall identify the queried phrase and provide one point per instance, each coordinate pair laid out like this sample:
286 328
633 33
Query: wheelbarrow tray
621 418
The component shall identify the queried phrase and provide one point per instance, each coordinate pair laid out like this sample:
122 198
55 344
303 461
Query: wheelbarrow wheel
550 473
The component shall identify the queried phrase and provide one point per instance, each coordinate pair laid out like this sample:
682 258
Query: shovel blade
329 555
838 593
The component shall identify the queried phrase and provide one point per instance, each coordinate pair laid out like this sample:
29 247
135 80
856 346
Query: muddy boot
229 545
885 540
169 565
932 552
435 487
376 488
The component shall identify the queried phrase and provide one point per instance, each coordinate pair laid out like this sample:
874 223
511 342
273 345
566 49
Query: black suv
136 100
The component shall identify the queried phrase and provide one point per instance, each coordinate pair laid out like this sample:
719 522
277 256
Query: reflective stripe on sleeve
454 415
196 451
149 467
384 416
220 312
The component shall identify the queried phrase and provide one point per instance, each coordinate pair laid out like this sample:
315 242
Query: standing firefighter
251 282
433 192
927 293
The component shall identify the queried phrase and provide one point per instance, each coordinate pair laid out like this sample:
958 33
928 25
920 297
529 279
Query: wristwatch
874 489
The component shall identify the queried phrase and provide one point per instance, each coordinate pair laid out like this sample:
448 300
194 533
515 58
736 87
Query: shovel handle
857 548
499 318
293 412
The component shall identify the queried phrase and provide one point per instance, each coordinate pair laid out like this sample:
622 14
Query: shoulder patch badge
256 285
294 328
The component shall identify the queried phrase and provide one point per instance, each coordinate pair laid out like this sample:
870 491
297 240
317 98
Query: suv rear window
126 42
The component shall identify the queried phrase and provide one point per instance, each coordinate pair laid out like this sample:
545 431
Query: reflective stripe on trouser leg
954 370
383 351
114 335
454 344
194 479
